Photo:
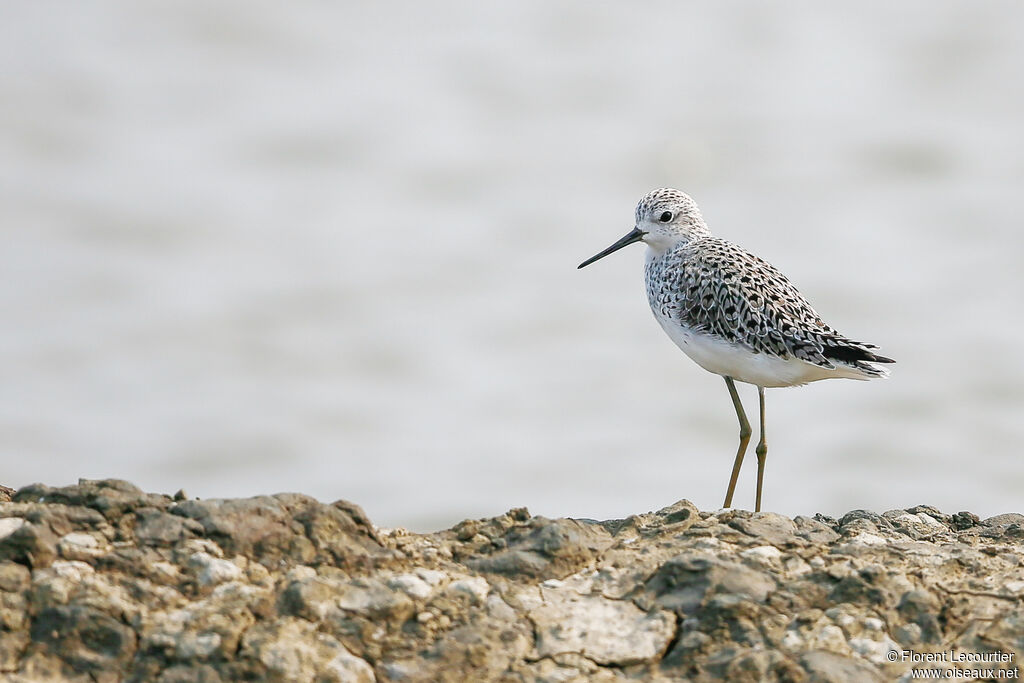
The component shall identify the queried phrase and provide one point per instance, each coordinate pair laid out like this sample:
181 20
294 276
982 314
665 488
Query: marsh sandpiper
735 314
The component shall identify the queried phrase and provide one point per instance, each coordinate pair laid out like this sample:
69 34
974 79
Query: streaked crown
669 213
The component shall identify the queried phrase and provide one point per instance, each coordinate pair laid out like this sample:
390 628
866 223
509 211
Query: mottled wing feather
734 295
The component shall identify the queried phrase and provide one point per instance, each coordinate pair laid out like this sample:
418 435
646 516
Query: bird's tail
858 356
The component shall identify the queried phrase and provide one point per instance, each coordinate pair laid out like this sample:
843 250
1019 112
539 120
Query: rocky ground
103 582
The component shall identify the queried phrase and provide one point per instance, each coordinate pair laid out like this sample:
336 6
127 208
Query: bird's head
664 217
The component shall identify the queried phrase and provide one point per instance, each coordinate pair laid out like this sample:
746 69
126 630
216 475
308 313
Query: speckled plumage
707 292
735 314
715 288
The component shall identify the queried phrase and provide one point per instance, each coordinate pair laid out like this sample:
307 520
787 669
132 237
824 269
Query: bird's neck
659 245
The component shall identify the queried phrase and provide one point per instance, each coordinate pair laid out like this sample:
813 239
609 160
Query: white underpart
743 365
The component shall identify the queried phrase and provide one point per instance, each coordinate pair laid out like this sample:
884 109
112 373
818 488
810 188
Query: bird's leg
744 440
762 452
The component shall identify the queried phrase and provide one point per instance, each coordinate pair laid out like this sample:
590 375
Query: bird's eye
665 217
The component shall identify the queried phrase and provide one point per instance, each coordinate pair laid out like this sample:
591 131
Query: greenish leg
762 452
744 439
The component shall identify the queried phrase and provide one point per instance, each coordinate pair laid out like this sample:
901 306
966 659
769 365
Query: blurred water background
331 248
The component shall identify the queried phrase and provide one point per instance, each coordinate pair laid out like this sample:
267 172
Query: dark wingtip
852 354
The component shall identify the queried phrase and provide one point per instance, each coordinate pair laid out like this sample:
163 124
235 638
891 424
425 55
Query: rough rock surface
103 582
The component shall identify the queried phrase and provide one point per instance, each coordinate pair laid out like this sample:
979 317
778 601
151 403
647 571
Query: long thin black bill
634 236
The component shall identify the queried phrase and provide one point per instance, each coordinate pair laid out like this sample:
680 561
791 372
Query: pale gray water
257 247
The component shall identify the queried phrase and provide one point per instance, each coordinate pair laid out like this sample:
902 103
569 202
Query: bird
735 314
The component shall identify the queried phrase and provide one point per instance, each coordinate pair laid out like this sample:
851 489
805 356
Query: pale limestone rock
212 571
8 525
608 632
